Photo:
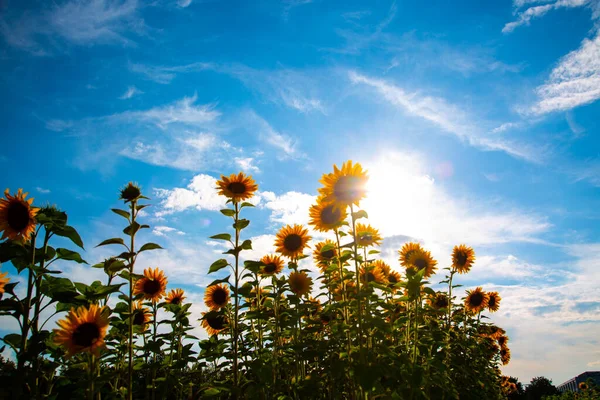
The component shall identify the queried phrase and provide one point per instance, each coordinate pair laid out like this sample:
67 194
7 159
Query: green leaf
149 246
112 241
13 340
70 233
246 244
222 236
65 254
211 392
217 265
246 204
132 229
359 214
120 212
241 224
228 212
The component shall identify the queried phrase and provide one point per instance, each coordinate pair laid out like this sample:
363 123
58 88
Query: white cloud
506 127
42 190
166 230
525 17
285 146
165 74
130 92
247 164
288 208
288 5
184 3
58 125
81 22
575 81
445 115
200 194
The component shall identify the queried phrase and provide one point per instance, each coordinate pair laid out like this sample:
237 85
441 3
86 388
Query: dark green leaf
149 246
65 254
228 212
112 241
241 224
246 204
120 212
221 236
360 214
247 245
217 265
70 233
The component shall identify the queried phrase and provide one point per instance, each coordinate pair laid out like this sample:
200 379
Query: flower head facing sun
291 241
300 283
463 258
152 286
130 192
324 253
214 322
272 265
438 301
367 236
406 251
3 281
82 330
345 186
17 216
583 386
216 296
505 355
476 301
326 216
237 187
371 273
421 260
175 296
141 315
493 301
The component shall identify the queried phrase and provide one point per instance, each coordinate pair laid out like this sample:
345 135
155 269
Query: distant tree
539 387
520 393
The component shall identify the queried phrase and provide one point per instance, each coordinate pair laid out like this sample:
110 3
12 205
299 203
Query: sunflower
152 286
344 186
300 283
406 251
438 301
216 296
393 278
214 322
237 187
130 192
505 355
273 265
325 217
324 257
350 286
315 306
141 315
503 340
17 216
492 331
419 260
291 240
175 296
3 281
371 273
476 300
583 386
463 258
493 302
367 236
82 330
253 299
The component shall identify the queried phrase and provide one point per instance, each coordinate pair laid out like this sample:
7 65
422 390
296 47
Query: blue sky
477 121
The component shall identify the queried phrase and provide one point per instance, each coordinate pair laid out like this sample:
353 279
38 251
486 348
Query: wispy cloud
247 164
58 125
288 5
506 127
184 3
285 145
524 17
200 194
42 190
162 230
448 117
130 92
165 74
575 81
80 22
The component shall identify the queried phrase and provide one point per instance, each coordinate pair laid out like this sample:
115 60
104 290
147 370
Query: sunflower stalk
236 299
130 301
358 291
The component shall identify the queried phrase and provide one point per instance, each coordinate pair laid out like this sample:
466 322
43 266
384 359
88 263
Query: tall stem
154 309
450 299
236 300
25 325
355 248
131 265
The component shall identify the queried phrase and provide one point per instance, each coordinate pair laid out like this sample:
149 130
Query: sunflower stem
450 302
355 248
130 342
236 300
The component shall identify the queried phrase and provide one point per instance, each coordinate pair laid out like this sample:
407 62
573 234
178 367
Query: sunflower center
330 215
151 287
420 263
370 277
217 323
86 334
366 238
219 296
328 254
348 189
292 242
441 302
461 258
176 300
270 268
392 279
138 318
492 302
18 216
237 188
476 299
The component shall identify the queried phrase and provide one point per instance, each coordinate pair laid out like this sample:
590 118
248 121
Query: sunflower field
327 320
